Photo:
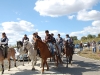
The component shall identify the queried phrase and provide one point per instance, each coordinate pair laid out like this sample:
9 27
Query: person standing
81 46
94 46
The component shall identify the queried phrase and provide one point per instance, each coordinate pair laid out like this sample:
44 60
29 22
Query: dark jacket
4 40
25 39
48 38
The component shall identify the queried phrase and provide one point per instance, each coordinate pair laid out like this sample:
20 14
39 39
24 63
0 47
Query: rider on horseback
67 39
4 44
59 41
23 39
53 38
48 40
70 41
37 36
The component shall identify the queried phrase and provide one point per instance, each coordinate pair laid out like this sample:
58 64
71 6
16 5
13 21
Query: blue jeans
51 48
81 48
94 49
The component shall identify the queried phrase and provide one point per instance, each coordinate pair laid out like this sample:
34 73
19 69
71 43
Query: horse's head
19 44
36 44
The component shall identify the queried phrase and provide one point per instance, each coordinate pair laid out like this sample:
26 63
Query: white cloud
88 15
71 17
55 8
16 30
94 29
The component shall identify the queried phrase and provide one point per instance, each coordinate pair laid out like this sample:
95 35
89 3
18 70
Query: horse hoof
15 66
2 72
42 72
8 70
33 69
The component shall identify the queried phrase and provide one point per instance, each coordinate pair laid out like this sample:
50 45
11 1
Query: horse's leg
67 61
14 61
50 59
9 64
56 59
70 59
2 67
47 65
33 64
23 61
34 61
41 64
28 59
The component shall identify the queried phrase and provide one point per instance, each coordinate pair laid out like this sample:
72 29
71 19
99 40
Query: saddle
4 50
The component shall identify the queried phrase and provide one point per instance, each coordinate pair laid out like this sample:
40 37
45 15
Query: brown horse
11 53
45 53
68 50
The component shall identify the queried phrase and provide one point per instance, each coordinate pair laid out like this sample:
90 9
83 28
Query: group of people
49 40
92 44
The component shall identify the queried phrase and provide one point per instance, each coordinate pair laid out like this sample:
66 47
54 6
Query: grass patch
89 54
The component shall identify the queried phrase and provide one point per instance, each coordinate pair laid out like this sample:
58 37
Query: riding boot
6 52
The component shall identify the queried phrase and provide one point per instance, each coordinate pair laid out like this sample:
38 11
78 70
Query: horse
21 50
31 52
58 51
10 53
45 52
69 52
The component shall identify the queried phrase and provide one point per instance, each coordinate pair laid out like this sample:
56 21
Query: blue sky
51 15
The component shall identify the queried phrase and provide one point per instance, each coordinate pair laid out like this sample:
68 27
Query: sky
74 17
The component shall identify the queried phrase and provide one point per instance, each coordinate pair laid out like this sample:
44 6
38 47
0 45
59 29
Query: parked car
20 57
85 44
77 45
98 42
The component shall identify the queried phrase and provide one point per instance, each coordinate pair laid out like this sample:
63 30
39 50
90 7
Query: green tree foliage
91 36
99 35
74 37
84 38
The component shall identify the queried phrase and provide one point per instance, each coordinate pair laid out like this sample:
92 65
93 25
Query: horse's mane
41 41
20 42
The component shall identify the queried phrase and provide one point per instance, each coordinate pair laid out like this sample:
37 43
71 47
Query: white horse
21 50
31 52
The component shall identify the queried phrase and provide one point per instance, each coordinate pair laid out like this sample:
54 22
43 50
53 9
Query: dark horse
69 52
45 53
11 53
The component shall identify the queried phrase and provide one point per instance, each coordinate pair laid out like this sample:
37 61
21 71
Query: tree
99 35
89 36
93 36
74 37
84 38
